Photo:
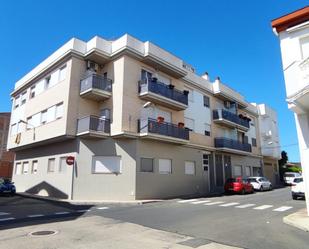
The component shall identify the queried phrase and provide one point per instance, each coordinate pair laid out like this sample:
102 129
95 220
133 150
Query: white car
298 188
260 183
289 177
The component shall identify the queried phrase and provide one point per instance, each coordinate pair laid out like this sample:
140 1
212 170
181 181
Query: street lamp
27 123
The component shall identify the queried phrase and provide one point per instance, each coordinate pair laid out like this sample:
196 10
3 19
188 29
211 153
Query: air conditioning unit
92 66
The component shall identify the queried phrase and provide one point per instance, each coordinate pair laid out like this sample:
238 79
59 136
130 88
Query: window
51 114
62 73
165 166
20 127
63 164
207 129
253 142
13 129
145 75
237 170
25 168
189 123
39 88
32 92
205 162
189 168
206 101
23 98
248 171
35 120
51 165
146 165
47 82
59 111
43 117
106 164
18 169
34 168
17 101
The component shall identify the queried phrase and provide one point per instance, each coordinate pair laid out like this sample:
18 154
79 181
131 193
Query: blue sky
230 39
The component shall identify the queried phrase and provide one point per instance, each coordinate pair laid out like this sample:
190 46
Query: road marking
185 201
57 213
6 219
282 209
213 203
35 215
3 213
200 202
83 210
245 206
263 207
102 208
229 204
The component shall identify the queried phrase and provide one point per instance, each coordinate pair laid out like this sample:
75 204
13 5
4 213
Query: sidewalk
97 232
299 219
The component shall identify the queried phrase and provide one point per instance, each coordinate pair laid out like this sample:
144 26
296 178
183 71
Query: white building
293 33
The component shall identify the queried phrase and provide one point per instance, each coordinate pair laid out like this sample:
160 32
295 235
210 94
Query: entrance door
219 171
227 167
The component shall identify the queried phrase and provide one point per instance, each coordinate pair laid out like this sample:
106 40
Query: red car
238 185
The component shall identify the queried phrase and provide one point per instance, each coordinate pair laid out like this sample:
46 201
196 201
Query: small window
29 123
189 168
34 168
206 101
44 117
62 73
254 142
207 129
23 98
165 166
47 82
17 101
59 111
25 168
146 165
32 92
206 159
18 169
63 164
107 164
51 165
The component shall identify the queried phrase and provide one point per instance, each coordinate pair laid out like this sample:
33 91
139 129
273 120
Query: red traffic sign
70 160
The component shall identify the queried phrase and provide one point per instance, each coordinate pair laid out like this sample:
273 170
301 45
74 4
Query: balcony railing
96 81
93 124
222 142
229 116
163 128
162 89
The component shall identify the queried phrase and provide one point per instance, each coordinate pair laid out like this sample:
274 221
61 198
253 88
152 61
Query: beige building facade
140 123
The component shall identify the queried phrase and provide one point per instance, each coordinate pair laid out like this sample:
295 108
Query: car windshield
297 180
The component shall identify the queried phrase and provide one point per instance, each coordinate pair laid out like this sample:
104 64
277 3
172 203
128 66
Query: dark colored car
7 187
238 185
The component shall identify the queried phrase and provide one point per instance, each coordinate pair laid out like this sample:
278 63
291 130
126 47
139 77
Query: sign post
71 162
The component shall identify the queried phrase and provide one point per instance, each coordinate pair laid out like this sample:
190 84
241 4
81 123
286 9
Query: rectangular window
47 82
32 92
237 170
248 171
18 169
206 159
106 164
207 129
189 123
17 101
23 98
51 165
189 168
40 86
62 73
34 168
59 111
63 164
25 168
43 117
51 114
254 142
206 101
35 120
146 164
165 166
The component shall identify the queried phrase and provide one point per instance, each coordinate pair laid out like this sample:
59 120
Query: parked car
7 187
298 188
289 177
238 185
260 183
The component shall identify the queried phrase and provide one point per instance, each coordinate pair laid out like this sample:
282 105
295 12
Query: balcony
163 131
231 145
230 119
162 94
96 87
93 127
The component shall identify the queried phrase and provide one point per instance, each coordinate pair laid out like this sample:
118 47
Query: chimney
205 76
218 80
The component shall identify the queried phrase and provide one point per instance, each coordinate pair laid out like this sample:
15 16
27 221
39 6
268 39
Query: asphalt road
248 221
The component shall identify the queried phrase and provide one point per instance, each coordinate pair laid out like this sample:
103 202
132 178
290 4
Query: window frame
165 172
48 168
194 168
149 158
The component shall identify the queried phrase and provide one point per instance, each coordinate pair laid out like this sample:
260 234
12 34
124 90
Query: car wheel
261 188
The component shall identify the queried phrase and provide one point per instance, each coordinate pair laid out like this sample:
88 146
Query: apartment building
6 157
293 33
139 122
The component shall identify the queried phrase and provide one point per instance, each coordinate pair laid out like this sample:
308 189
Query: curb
298 219
288 221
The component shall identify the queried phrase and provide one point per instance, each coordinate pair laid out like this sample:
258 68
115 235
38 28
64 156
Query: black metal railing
96 81
221 142
232 117
163 128
93 123
160 88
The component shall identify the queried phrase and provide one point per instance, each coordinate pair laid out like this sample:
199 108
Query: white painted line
213 203
229 204
62 213
282 209
263 207
6 219
102 208
3 213
200 202
185 201
35 215
82 210
245 206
